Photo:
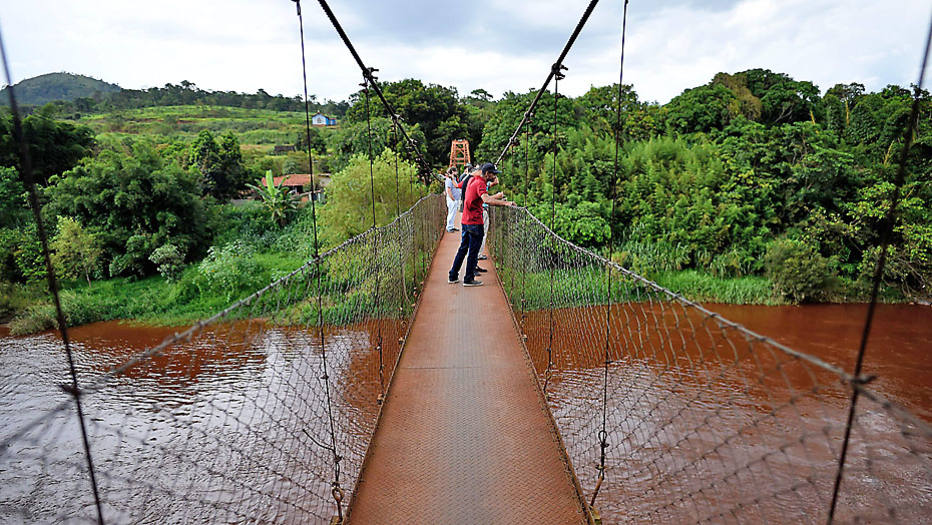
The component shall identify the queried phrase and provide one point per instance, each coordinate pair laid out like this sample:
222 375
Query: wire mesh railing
672 414
258 414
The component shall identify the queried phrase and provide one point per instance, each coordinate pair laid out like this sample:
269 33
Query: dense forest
754 182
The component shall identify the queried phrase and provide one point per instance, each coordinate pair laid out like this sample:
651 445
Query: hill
43 89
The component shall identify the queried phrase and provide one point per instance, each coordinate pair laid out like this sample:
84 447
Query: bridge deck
464 436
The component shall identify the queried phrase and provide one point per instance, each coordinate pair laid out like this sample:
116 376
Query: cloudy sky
497 45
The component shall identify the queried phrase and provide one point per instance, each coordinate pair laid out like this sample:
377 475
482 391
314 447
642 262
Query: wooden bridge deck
464 435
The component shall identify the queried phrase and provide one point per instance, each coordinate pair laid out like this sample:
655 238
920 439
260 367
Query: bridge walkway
465 436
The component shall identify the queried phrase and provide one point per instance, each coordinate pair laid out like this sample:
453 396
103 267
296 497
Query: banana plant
277 200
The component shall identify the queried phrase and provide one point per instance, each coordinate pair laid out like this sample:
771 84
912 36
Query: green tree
703 108
136 201
75 251
234 173
349 203
437 110
14 209
54 146
27 254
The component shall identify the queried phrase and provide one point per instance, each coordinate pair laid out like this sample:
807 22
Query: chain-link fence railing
672 414
255 415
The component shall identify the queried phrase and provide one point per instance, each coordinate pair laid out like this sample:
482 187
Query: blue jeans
470 242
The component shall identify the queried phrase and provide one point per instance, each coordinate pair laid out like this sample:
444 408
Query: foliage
55 146
137 201
229 271
75 251
703 287
27 254
49 87
278 201
437 111
799 273
220 164
348 211
9 242
14 210
169 260
354 139
77 99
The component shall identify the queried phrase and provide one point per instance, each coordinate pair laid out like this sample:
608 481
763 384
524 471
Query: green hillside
43 89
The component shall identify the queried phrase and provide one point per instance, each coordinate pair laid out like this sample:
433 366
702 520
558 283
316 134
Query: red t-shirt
472 202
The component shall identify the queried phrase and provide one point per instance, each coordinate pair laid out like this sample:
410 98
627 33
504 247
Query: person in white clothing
453 197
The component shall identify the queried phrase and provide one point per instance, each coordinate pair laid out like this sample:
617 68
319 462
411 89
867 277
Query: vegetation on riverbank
754 189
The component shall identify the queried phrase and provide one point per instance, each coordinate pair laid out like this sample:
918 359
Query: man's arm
493 200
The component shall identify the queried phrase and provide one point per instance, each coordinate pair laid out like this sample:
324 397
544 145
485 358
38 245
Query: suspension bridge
570 390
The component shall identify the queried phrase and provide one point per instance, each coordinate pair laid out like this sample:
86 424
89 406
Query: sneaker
481 269
452 280
455 230
483 257
472 283
451 231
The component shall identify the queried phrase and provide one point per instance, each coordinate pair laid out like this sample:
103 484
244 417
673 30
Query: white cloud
499 45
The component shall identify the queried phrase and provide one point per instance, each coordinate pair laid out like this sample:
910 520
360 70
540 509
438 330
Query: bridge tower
459 153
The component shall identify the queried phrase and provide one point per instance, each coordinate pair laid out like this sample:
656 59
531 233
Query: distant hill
56 86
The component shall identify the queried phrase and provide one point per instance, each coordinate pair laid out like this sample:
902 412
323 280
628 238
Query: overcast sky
497 45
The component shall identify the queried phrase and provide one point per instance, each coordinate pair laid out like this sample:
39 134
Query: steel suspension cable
25 164
336 491
619 137
553 71
886 232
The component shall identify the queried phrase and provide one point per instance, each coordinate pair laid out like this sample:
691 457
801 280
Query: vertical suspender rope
401 250
25 165
557 76
336 491
377 234
527 142
886 232
603 433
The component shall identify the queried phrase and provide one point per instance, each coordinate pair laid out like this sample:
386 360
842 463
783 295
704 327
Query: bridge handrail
750 334
115 371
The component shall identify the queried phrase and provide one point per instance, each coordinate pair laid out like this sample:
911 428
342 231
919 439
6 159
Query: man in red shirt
474 195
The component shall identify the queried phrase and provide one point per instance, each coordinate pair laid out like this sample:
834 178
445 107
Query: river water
232 426
229 427
704 423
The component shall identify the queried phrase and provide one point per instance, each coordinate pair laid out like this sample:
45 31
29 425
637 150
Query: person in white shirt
453 197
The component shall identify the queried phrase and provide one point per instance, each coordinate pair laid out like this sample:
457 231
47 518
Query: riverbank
156 301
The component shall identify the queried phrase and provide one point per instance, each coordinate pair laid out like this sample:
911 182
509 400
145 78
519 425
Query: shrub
30 262
170 261
76 251
229 271
799 273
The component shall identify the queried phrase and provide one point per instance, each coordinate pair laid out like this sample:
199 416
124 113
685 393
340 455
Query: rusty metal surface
463 437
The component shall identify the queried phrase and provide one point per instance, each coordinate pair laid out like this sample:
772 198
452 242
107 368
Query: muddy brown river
233 427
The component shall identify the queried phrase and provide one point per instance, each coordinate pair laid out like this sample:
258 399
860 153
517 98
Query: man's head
488 170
